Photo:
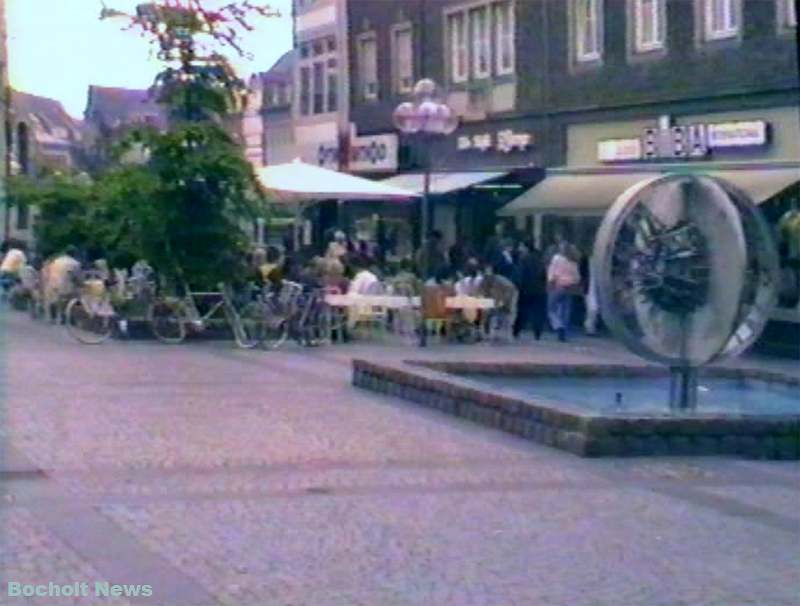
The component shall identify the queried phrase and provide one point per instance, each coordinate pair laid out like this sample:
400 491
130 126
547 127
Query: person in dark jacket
530 277
432 259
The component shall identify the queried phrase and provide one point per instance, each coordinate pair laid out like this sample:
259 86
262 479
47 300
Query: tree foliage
64 205
198 82
186 209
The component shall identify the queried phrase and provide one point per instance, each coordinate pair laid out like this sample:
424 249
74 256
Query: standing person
591 302
432 258
58 281
458 256
530 277
503 262
563 281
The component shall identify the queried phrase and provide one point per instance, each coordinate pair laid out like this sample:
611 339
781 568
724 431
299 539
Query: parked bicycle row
323 299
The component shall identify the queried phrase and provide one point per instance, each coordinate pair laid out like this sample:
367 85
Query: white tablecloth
463 302
386 301
397 302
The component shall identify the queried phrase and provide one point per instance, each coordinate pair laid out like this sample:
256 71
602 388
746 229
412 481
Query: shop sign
505 141
373 154
685 141
737 134
618 150
328 155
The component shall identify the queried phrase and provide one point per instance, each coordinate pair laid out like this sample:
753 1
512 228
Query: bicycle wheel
166 322
276 330
249 328
85 325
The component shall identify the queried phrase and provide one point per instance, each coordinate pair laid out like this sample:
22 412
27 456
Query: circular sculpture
686 272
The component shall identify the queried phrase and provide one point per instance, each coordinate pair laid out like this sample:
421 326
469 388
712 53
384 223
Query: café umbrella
302 184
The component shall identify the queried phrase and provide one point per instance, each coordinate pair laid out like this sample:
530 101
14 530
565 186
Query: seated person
363 278
503 292
470 283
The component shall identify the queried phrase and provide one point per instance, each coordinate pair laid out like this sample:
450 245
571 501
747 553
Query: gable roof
48 113
281 71
113 107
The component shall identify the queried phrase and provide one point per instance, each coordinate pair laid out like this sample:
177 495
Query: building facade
319 108
109 112
594 94
42 139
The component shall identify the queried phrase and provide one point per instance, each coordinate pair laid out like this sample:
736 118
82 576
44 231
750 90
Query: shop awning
441 183
298 181
591 191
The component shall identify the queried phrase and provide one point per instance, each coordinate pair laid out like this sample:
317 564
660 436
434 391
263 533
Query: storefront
474 173
758 151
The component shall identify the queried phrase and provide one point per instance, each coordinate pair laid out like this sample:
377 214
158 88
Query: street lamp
426 117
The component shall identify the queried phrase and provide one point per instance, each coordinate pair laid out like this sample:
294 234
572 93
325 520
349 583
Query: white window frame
368 85
470 46
481 44
399 62
458 45
787 15
583 55
658 26
308 63
732 18
503 38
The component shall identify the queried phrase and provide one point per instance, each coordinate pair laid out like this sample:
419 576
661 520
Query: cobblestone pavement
254 478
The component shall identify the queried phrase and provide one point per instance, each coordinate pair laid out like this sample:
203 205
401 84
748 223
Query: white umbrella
300 183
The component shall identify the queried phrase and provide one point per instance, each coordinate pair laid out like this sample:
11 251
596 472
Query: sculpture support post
683 388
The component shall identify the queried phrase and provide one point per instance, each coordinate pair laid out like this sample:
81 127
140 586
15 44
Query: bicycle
172 318
90 316
293 312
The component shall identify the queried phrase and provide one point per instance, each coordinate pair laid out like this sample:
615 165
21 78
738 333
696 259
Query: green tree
64 205
185 209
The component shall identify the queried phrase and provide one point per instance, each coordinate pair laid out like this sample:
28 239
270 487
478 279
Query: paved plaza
227 477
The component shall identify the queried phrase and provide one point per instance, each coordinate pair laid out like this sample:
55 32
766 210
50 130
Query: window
787 14
721 19
319 87
588 30
457 27
318 79
368 66
403 58
649 26
305 91
333 85
504 38
480 41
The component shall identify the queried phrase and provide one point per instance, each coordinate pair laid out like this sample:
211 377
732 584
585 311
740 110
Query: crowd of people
536 288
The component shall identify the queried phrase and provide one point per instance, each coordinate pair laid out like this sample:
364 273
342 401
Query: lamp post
426 117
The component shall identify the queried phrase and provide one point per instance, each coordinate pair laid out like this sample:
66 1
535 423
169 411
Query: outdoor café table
385 301
355 301
474 307
472 303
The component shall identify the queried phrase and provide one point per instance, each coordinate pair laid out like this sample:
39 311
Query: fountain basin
575 408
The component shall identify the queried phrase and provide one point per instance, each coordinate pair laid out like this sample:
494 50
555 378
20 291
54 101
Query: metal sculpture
686 274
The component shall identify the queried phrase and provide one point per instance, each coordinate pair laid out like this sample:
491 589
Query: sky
57 48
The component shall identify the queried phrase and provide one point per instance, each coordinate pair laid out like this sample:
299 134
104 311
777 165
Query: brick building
594 94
